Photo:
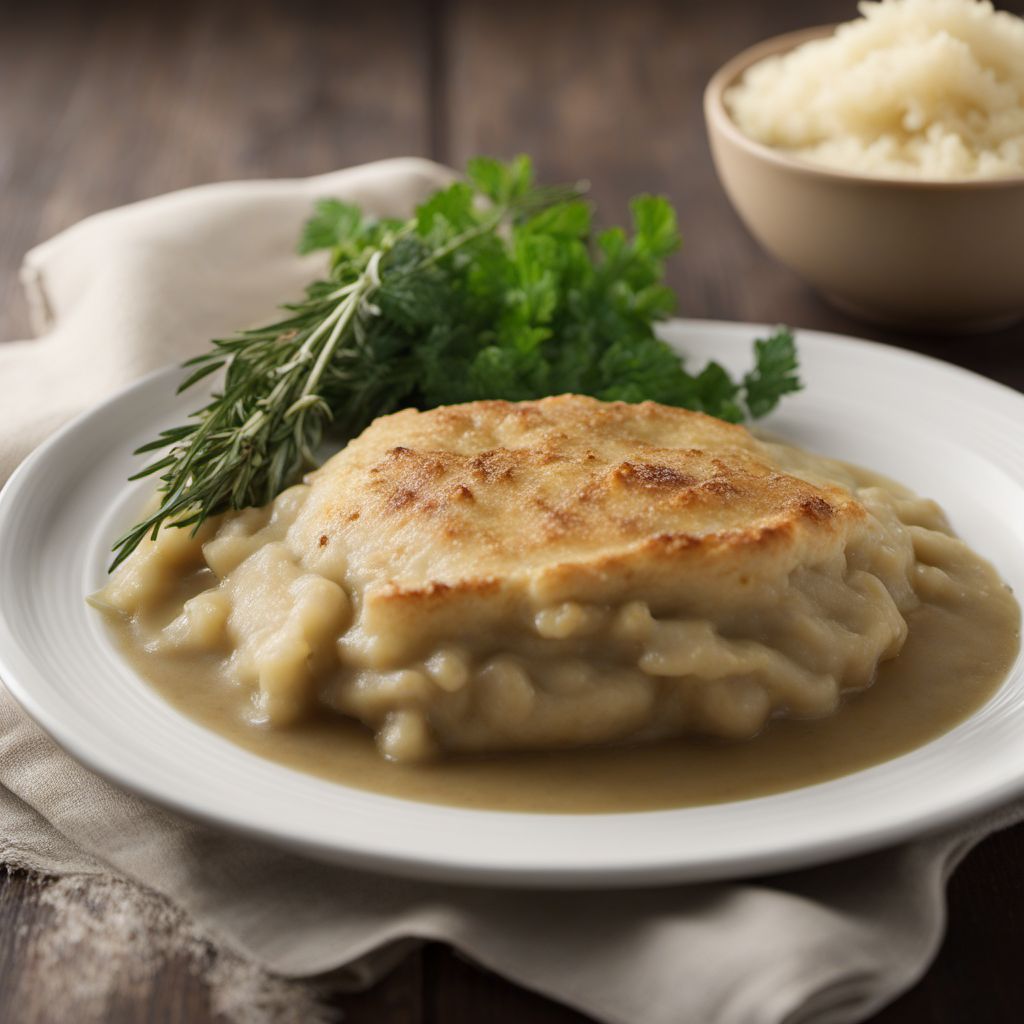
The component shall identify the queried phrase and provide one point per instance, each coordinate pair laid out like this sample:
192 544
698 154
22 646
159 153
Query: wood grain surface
105 103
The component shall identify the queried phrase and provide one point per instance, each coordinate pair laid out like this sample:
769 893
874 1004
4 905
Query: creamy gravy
959 649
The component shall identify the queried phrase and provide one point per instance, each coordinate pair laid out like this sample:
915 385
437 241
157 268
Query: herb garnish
494 289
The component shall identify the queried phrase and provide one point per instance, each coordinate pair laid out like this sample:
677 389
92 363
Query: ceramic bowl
925 255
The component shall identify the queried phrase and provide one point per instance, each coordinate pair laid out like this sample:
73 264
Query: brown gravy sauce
956 656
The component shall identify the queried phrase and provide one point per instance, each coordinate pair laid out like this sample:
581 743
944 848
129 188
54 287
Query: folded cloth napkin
136 288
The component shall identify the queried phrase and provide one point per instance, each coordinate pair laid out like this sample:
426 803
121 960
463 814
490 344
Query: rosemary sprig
249 442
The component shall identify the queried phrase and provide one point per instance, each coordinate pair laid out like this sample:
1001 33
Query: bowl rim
718 119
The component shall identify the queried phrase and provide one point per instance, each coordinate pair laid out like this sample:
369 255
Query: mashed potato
913 89
547 575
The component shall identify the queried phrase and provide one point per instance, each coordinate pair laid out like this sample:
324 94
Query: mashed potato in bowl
920 89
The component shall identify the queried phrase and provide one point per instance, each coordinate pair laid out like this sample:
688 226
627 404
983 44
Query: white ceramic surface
947 433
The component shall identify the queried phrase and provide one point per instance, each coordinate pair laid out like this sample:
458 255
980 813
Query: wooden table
103 104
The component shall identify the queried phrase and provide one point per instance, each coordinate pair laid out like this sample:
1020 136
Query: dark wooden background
104 103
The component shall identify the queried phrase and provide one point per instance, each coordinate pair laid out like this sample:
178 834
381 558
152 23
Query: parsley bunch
495 288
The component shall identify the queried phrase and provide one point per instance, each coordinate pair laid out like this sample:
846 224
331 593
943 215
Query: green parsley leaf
499 182
332 224
774 374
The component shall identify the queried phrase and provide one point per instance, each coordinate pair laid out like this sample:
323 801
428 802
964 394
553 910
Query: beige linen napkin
133 289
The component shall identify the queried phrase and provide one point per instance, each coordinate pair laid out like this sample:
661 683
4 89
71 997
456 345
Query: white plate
947 433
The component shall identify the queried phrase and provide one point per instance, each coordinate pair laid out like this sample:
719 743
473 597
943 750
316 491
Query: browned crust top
463 496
